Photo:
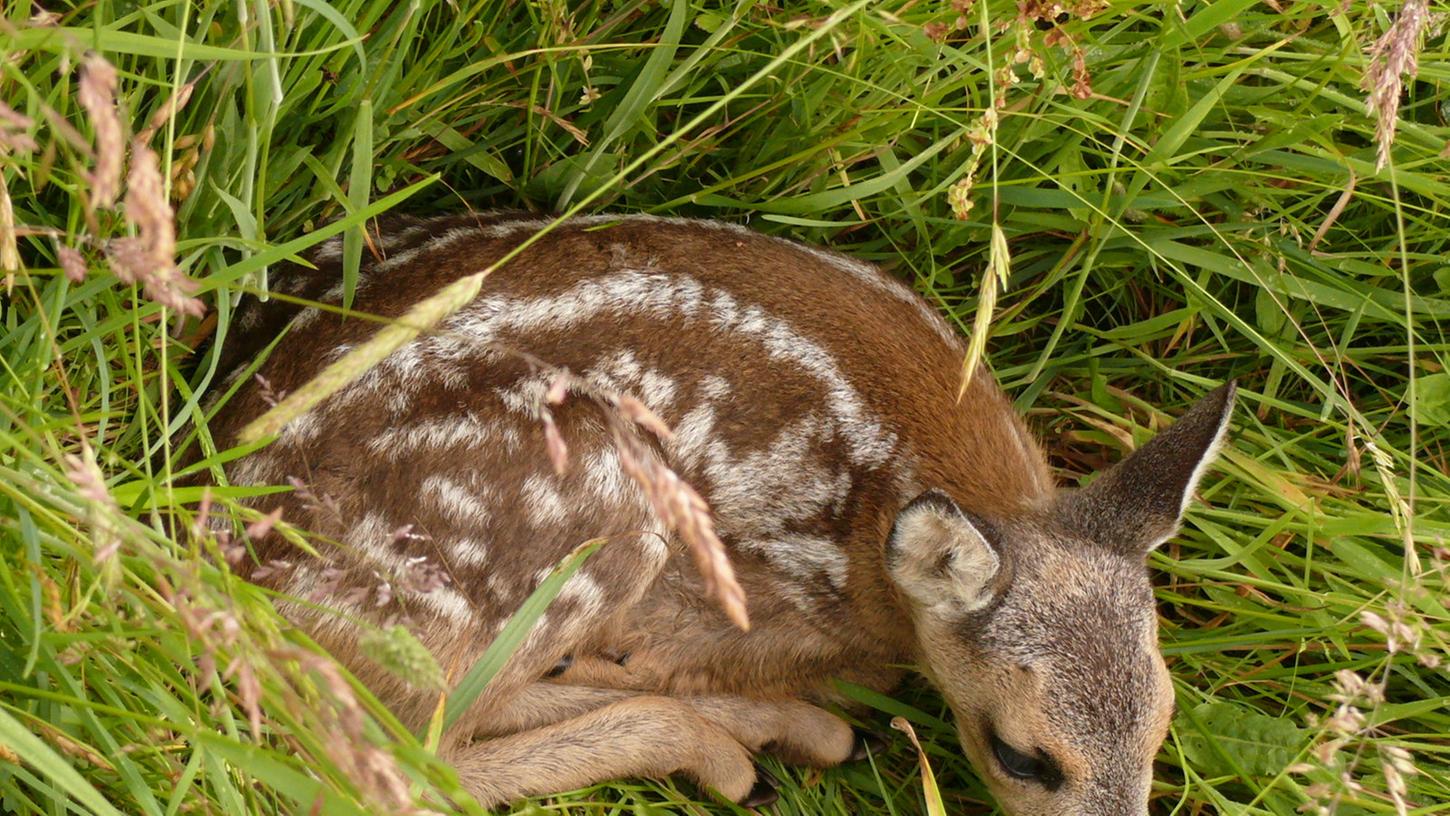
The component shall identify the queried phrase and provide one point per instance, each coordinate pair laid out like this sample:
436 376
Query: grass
1183 194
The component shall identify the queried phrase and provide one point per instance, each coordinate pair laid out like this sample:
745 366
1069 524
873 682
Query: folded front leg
551 737
540 704
790 728
793 730
643 736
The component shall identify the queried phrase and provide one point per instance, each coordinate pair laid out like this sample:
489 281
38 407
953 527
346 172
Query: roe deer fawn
873 516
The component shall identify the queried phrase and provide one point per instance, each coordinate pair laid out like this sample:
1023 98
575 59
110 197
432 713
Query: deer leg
644 736
793 730
541 704
796 731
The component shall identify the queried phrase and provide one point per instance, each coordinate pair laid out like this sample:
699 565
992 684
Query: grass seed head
90 483
9 249
15 131
150 259
1394 56
97 95
72 263
397 650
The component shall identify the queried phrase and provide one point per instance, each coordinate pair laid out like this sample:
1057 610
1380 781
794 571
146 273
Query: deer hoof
562 666
761 795
868 743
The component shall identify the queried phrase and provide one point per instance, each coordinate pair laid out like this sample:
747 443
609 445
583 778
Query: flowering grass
1151 198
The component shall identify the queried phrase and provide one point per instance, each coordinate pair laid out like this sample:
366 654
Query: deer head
1040 629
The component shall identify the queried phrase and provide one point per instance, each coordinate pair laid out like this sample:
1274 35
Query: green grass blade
40 756
466 691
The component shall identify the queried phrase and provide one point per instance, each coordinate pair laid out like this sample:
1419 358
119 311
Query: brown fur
721 325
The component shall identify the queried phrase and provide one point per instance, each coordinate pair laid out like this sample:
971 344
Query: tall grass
1154 197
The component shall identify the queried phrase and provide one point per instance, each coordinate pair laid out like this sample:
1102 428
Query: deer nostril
562 666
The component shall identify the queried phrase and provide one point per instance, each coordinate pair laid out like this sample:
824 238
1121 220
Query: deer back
811 397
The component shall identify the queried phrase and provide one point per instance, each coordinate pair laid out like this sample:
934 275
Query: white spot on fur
504 229
467 552
445 433
305 317
655 539
526 396
335 620
656 390
508 439
543 502
259 468
302 581
673 296
329 250
605 478
408 249
804 556
861 271
301 429
372 538
403 373
622 372
585 591
622 368
448 602
758 493
870 443
715 387
250 319
462 504
446 240
398 241
694 434
503 588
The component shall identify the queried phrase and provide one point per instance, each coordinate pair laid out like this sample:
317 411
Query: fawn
873 514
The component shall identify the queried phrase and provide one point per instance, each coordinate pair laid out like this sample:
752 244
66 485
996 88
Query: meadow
1122 204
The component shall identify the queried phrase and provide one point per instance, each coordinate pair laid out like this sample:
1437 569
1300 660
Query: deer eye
1040 768
1013 761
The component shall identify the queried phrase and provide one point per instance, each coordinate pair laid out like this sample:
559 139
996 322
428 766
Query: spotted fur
872 516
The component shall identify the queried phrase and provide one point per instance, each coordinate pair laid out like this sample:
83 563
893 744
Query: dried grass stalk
424 315
9 249
999 265
684 511
554 442
375 771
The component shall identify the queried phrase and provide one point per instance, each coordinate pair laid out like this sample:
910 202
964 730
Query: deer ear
944 559
1139 503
